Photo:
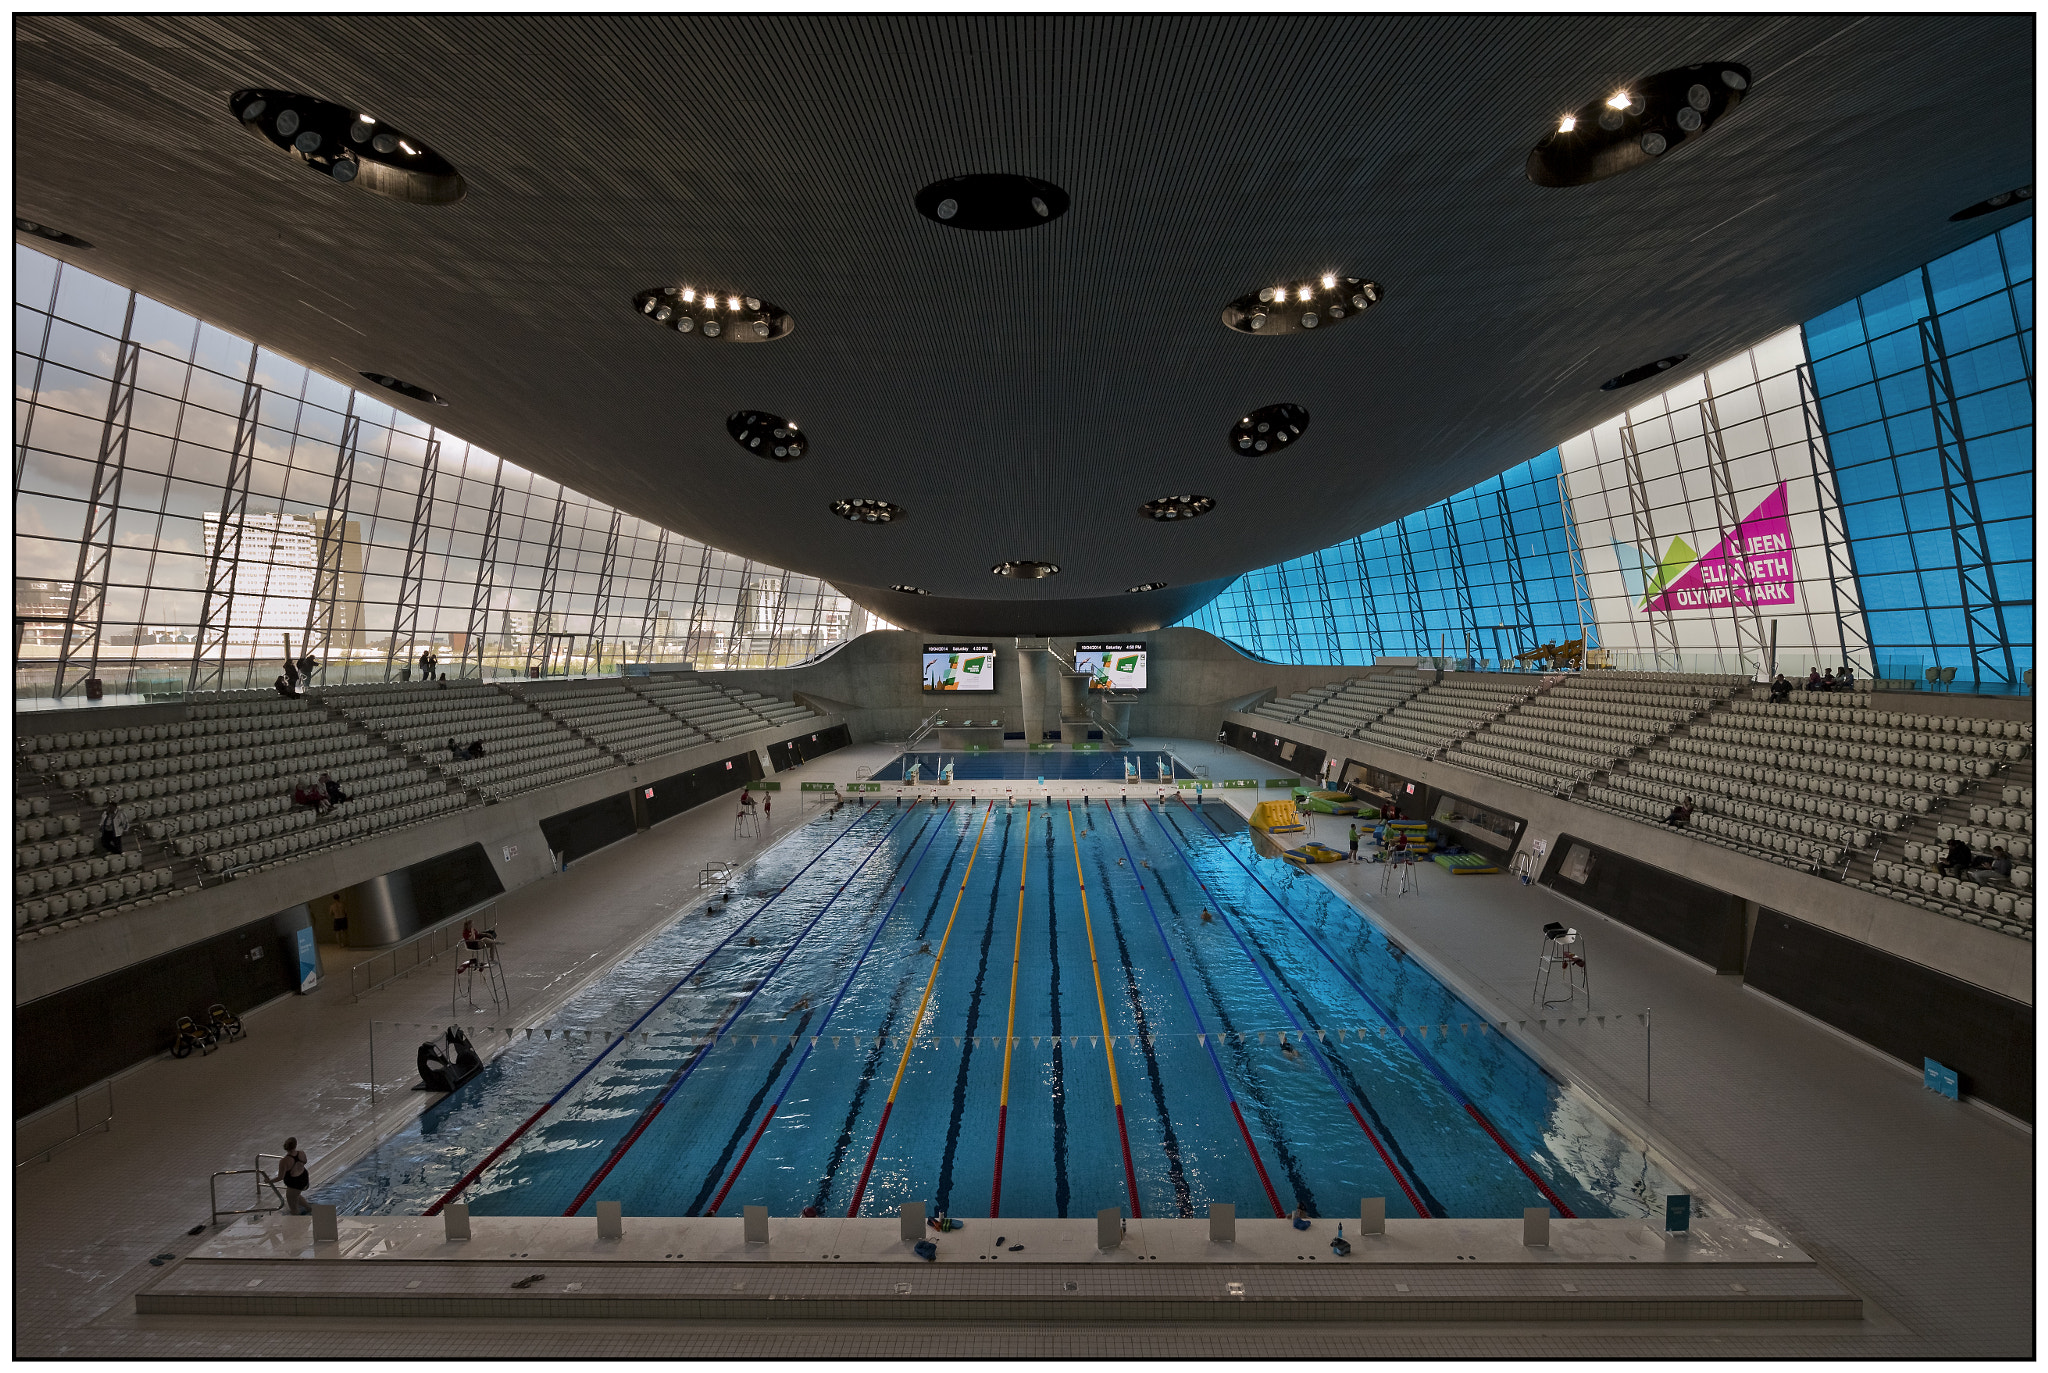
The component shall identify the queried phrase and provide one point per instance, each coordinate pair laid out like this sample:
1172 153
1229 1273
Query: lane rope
469 1178
1201 1027
689 1065
1427 1059
1321 1062
916 1024
1102 1009
844 987
995 1196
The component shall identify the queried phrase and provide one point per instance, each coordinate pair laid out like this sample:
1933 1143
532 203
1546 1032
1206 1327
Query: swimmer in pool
925 947
1206 917
1288 1048
803 1005
751 941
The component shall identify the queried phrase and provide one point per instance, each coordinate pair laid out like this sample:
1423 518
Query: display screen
959 667
1112 667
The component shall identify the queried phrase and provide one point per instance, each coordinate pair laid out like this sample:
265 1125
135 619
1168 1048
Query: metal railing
262 1181
409 955
79 1129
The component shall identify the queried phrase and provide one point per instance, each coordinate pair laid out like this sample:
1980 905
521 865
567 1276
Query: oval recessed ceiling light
909 590
992 202
30 226
1297 306
1177 507
714 314
345 145
1639 124
405 388
1144 586
863 511
2004 200
1025 570
768 436
1269 429
1643 373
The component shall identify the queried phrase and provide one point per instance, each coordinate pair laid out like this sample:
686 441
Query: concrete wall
1994 961
1195 678
509 831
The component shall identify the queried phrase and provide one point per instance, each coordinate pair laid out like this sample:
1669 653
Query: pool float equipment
1277 817
926 1250
1465 864
1328 802
1313 853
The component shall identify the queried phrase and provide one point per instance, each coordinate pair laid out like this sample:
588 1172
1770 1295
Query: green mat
1465 864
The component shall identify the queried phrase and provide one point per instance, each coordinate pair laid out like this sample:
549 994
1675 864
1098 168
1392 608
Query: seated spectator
335 795
1814 681
456 751
476 748
1957 861
1998 863
1781 690
1845 680
1681 814
309 794
284 687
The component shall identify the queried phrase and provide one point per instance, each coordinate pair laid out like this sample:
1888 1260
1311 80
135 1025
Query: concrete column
1031 686
381 911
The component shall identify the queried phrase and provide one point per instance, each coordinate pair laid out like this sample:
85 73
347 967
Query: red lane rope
469 1179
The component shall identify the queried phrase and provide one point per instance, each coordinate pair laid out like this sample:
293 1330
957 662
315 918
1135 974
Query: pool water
1251 1058
1018 764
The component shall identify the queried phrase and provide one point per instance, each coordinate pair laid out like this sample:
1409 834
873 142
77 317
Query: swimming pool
1064 765
1083 1038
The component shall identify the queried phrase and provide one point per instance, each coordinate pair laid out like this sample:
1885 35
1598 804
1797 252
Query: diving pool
1016 1011
1065 765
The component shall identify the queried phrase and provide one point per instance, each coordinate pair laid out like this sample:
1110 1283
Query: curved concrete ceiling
1021 394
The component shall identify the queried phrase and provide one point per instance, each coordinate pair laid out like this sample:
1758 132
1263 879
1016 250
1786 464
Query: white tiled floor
1923 1206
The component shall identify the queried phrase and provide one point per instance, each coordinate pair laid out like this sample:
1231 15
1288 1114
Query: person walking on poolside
292 1172
1354 841
767 811
338 913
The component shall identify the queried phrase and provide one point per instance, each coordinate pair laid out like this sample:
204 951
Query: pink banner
1751 566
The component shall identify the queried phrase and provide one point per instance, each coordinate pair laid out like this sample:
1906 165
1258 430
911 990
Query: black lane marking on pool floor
746 1119
943 1195
1235 1048
739 1129
1336 1059
888 1025
1062 1192
1182 1194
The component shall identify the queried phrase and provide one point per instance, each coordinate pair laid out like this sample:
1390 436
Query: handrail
363 979
925 727
79 1130
213 1189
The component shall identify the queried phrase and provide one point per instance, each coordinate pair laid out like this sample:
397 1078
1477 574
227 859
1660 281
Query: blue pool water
844 912
1016 764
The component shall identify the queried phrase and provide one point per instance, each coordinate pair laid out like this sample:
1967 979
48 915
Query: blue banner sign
1940 1078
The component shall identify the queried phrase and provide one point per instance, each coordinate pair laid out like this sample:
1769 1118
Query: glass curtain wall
376 571
1872 507
1927 384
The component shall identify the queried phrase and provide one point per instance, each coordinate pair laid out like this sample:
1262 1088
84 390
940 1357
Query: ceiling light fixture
991 202
1650 119
339 144
405 388
1335 298
1026 570
1269 429
1643 373
30 226
864 511
909 590
1177 507
765 435
770 321
2019 195
1144 586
